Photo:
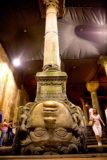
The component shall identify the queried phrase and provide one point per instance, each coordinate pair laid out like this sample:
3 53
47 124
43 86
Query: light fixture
16 62
25 30
86 104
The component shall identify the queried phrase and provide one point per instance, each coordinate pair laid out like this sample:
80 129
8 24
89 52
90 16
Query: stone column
51 46
13 101
84 110
51 83
20 100
92 87
3 80
103 62
24 98
17 104
9 96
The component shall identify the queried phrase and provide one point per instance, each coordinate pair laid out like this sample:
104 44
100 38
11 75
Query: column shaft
84 110
17 104
3 78
13 101
95 102
92 87
105 67
51 47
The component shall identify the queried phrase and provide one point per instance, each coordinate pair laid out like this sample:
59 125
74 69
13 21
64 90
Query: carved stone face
50 122
50 126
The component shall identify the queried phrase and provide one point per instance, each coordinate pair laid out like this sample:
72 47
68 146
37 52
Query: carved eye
39 132
61 132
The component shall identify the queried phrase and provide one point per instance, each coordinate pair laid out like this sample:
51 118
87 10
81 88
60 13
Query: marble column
3 74
20 100
9 96
13 101
51 83
84 110
3 80
17 104
103 61
92 87
51 46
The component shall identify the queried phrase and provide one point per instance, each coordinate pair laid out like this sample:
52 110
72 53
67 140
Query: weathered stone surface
51 85
52 124
50 127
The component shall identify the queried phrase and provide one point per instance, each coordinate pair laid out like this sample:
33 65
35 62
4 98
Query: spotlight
16 62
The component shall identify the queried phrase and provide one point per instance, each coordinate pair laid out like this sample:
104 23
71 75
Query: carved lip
50 120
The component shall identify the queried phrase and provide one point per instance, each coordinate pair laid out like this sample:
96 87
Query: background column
84 110
103 62
92 87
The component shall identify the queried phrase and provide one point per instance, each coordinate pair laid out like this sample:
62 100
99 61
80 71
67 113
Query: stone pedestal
51 85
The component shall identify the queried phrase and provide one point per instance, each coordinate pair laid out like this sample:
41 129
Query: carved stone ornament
51 124
50 127
51 3
51 85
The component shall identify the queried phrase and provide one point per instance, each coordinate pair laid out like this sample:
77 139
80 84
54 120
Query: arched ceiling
82 38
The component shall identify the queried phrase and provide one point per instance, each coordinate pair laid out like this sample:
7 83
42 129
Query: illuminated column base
92 87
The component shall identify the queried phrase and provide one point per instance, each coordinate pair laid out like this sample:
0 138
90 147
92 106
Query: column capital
92 86
53 3
102 60
59 5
